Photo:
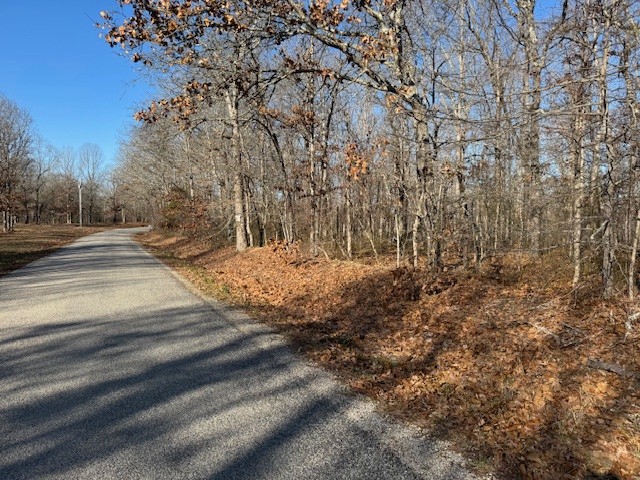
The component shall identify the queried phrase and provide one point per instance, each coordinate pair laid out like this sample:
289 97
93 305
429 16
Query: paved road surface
111 369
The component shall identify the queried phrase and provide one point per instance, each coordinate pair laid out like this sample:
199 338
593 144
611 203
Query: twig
577 330
600 229
326 255
612 367
545 330
628 324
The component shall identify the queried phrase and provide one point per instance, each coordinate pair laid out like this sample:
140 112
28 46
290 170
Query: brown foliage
357 161
183 213
495 360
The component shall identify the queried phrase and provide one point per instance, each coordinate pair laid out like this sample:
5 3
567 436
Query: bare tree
90 173
15 157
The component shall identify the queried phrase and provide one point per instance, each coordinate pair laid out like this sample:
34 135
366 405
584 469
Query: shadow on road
179 389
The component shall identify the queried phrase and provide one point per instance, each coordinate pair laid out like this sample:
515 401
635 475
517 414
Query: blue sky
53 64
76 88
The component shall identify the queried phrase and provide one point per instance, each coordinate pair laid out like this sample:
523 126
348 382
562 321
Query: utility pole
80 203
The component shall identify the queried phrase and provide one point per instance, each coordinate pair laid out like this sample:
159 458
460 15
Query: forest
41 183
444 133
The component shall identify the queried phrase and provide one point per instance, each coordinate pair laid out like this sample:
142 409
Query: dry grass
496 361
30 242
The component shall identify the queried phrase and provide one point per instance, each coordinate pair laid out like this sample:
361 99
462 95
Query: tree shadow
452 357
173 393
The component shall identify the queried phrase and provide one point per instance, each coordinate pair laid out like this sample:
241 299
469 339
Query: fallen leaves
495 360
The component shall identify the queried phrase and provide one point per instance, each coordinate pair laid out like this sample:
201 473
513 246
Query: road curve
110 368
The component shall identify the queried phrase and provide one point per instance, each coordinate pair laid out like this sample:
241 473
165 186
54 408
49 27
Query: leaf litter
496 361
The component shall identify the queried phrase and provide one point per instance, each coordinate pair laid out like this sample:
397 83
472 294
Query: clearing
30 242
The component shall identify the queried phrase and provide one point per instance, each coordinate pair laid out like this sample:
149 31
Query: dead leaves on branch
180 108
179 212
171 25
170 32
360 159
323 13
357 161
299 116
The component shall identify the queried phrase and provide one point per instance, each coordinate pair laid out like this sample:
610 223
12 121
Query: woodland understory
527 376
450 133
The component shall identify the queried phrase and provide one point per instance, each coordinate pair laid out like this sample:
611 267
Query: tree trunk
238 207
231 98
632 107
417 219
247 212
631 275
348 227
578 192
531 133
605 158
424 172
313 194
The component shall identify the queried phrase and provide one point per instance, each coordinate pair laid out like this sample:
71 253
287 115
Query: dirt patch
500 361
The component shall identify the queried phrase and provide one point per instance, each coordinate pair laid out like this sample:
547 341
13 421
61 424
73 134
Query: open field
528 378
30 242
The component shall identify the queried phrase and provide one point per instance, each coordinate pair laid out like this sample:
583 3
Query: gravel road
111 368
